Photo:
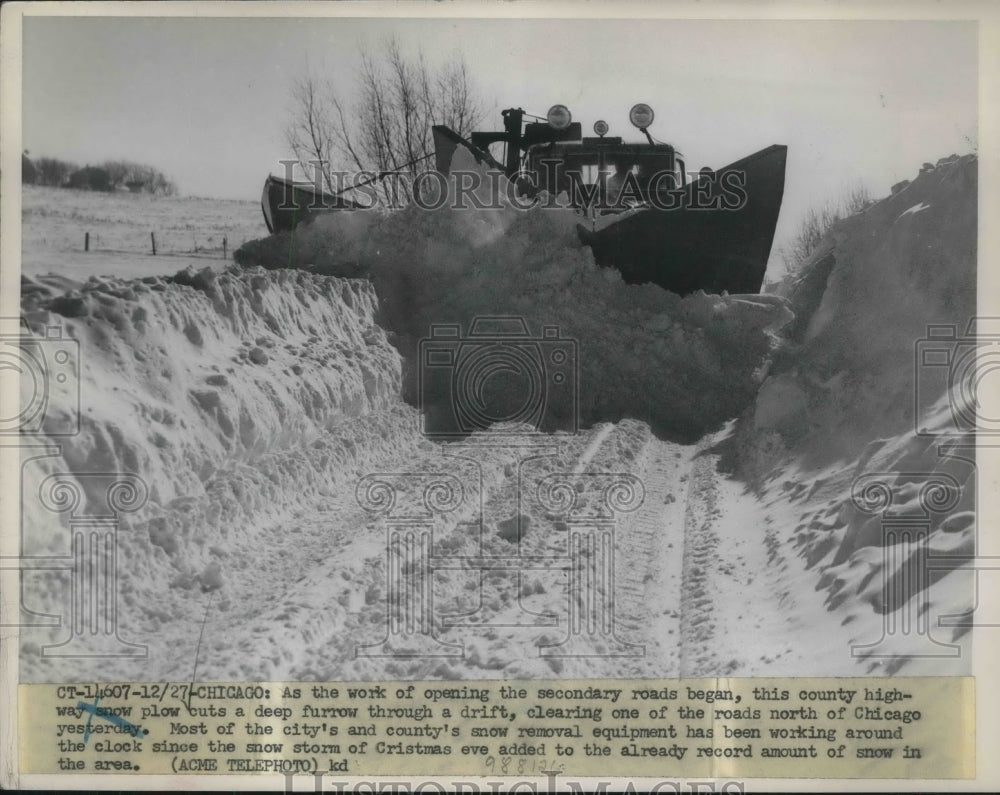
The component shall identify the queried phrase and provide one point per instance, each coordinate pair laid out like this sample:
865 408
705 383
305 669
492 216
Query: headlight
641 115
559 117
601 127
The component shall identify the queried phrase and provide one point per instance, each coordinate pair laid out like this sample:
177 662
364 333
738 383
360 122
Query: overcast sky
206 100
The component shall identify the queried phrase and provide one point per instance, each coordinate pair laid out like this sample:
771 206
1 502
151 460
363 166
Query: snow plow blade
690 248
446 141
286 204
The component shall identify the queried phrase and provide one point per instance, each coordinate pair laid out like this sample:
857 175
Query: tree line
111 175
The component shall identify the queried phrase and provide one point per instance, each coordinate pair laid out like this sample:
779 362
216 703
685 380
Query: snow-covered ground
188 231
705 519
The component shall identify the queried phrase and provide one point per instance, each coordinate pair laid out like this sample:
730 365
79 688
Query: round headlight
601 127
641 115
559 117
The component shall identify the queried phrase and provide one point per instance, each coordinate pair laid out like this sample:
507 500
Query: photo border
988 459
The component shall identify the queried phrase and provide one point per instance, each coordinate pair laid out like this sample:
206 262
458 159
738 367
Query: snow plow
640 211
638 208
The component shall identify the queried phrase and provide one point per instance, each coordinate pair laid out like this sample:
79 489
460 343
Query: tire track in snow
648 562
698 613
739 609
319 604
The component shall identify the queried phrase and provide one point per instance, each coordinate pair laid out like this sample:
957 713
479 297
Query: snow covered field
189 231
710 516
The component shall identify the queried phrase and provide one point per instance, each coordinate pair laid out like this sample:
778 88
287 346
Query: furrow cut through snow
266 410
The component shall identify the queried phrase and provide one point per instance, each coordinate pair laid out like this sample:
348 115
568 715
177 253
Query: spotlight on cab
641 115
559 117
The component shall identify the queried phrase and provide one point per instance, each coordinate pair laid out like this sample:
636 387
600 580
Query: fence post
152 237
86 241
224 246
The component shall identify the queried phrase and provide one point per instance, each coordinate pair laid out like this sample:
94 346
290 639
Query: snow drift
851 397
684 365
862 304
235 396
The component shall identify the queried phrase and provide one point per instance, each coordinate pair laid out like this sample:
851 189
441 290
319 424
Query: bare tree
310 133
54 172
386 124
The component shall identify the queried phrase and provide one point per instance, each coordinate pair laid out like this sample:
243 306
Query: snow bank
234 396
851 400
862 305
683 365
